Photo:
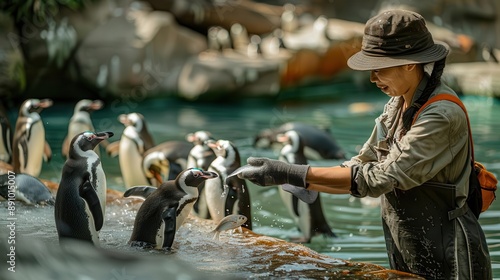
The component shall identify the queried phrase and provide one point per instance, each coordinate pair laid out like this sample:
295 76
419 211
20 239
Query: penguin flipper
169 217
47 152
112 149
87 192
140 191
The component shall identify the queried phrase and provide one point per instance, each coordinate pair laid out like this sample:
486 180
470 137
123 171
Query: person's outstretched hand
269 172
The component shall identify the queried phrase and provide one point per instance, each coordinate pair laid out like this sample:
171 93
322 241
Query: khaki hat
394 38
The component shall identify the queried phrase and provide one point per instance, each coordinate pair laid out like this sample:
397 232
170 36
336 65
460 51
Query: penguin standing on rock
80 122
231 196
308 217
165 208
29 148
81 197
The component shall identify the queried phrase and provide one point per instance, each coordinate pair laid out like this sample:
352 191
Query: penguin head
292 141
222 148
136 129
199 137
88 140
134 120
34 106
155 164
193 177
87 105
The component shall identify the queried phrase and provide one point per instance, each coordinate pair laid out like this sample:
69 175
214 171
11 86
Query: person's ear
410 67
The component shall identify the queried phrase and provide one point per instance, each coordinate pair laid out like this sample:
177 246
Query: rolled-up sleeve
433 142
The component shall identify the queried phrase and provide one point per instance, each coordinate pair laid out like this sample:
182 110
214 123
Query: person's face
394 81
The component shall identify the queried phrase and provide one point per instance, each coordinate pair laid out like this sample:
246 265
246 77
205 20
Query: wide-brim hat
395 38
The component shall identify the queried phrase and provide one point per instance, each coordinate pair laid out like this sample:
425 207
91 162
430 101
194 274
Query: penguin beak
96 105
282 138
123 119
213 144
104 135
209 175
45 103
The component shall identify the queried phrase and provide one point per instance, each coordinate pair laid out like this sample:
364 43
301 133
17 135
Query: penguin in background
165 208
81 197
231 196
80 122
130 149
165 161
5 137
309 218
200 156
30 148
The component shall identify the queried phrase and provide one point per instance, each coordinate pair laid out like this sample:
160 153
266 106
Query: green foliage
38 10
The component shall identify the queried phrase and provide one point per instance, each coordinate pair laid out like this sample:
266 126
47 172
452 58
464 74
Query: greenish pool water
356 223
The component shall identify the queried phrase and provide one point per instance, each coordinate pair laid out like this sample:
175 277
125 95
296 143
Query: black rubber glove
270 172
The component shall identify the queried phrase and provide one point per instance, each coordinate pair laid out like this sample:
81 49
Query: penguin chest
216 194
185 207
298 210
94 234
130 160
34 145
98 179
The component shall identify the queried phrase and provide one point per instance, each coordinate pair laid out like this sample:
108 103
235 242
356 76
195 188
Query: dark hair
432 83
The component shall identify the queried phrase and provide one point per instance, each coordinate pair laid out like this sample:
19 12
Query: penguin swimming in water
231 196
30 190
309 218
81 197
165 208
200 156
80 122
29 148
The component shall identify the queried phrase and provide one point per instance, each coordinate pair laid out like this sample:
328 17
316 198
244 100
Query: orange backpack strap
456 100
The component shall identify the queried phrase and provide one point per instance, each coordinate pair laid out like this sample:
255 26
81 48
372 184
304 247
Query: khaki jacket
434 149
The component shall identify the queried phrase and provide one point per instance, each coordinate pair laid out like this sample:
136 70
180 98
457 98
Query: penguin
80 122
169 157
130 149
200 156
309 218
5 136
81 197
28 189
231 196
29 148
165 208
318 143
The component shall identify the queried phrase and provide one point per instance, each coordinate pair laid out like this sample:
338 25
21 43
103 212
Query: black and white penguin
318 143
165 161
29 147
309 218
80 122
130 149
200 156
231 196
81 197
165 208
28 189
5 136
